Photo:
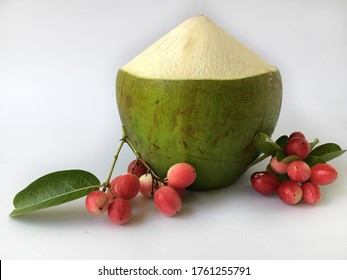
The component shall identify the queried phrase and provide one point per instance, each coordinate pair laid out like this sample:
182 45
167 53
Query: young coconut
197 95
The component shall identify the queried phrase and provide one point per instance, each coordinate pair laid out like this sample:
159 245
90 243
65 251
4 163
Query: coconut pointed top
197 49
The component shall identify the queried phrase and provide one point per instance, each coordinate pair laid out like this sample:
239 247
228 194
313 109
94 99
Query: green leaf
280 155
269 169
257 160
265 144
282 141
332 155
54 189
290 158
325 148
283 177
314 143
327 151
313 160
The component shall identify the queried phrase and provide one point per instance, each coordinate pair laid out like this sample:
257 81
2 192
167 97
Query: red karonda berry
297 146
167 201
97 202
137 167
311 193
264 182
119 211
289 192
181 175
279 167
323 174
127 186
299 171
297 134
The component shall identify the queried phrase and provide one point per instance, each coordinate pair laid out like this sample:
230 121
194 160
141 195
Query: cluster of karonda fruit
295 178
139 178
295 172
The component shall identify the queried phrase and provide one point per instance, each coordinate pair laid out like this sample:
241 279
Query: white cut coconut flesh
197 49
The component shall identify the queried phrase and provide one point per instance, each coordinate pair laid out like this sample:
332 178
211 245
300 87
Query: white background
58 61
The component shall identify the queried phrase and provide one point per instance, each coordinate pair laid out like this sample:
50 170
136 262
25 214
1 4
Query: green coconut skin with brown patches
207 123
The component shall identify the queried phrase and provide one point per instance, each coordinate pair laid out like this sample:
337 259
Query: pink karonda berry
127 186
297 146
289 192
311 193
323 174
279 167
299 171
137 168
181 175
97 202
147 188
167 201
113 184
119 211
297 134
264 182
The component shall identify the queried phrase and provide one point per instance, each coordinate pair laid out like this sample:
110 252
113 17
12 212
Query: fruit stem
138 157
257 160
123 140
131 146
